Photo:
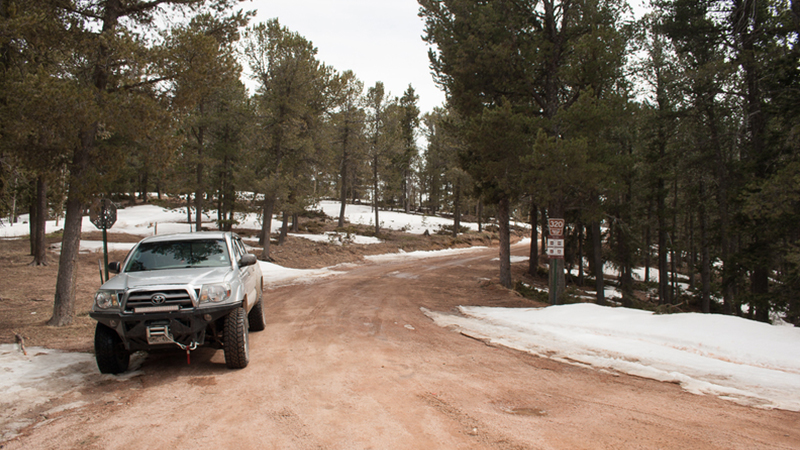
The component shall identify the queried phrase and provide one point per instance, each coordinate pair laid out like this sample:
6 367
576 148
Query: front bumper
186 327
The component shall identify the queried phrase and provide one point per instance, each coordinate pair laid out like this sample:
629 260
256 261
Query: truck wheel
109 351
237 346
256 317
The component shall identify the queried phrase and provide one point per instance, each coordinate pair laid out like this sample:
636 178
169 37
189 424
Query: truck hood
194 277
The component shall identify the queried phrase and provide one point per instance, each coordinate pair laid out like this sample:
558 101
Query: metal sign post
103 215
555 251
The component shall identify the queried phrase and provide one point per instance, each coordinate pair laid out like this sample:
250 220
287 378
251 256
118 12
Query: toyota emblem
158 299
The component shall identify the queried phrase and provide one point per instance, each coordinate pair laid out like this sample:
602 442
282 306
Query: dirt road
351 362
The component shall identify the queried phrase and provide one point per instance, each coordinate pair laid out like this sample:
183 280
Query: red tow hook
188 349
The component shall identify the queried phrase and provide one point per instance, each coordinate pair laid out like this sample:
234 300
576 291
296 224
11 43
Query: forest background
670 142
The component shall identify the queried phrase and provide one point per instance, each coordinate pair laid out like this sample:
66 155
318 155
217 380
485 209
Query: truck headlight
215 292
106 299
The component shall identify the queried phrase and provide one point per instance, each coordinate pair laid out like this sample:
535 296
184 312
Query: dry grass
27 292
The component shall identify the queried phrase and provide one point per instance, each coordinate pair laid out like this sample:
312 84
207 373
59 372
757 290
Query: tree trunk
480 216
405 191
343 174
199 191
705 255
143 181
692 252
673 292
597 247
705 269
625 279
32 224
375 193
457 210
505 243
64 301
284 228
220 207
647 244
759 287
725 245
189 210
533 261
623 236
39 247
580 253
230 219
64 304
12 218
543 241
198 211
343 199
266 225
675 254
663 268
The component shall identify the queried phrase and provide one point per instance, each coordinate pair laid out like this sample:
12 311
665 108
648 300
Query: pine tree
481 65
381 129
534 60
349 140
201 56
291 100
408 156
102 39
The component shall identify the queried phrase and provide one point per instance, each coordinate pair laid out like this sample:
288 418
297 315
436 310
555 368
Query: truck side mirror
248 260
113 267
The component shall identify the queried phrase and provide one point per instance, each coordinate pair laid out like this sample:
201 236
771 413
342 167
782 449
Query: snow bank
146 220
420 254
275 275
393 220
748 362
97 246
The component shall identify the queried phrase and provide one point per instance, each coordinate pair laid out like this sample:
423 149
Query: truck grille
164 299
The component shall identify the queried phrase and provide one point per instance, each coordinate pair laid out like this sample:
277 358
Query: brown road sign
556 227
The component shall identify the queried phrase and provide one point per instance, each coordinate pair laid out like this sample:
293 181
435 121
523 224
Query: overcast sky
379 40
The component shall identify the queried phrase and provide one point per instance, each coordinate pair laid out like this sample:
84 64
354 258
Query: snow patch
335 238
276 276
401 255
748 362
28 381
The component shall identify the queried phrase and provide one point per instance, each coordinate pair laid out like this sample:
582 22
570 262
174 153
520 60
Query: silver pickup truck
183 290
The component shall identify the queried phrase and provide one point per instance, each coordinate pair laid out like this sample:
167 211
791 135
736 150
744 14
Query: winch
159 334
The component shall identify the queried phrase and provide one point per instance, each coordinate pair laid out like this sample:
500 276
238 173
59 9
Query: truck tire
256 317
109 351
237 345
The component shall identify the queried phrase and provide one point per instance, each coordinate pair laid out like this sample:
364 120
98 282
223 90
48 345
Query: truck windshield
179 254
